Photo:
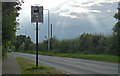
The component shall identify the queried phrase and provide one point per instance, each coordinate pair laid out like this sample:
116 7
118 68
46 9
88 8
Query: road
74 65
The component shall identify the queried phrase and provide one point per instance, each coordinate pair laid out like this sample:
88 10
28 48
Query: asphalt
74 65
10 65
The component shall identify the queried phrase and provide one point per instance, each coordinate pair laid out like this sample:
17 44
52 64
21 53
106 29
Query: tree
21 48
85 43
116 29
22 40
19 40
27 43
9 14
31 48
55 44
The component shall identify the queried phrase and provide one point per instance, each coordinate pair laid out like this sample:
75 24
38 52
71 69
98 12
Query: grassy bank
28 67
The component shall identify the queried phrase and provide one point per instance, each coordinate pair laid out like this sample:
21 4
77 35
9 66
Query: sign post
37 16
36 44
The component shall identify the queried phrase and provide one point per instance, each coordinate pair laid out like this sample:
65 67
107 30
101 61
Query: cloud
80 7
108 11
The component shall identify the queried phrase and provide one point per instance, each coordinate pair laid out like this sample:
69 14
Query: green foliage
27 43
43 46
106 58
19 40
116 32
13 48
85 44
116 16
31 48
5 47
21 48
117 28
8 24
55 44
35 68
23 43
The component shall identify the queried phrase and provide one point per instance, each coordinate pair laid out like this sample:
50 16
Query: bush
21 48
13 48
31 47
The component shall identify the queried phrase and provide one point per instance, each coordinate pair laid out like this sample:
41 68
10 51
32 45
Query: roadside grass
28 67
105 58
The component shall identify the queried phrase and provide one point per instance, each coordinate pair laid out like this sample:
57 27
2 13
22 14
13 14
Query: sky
70 18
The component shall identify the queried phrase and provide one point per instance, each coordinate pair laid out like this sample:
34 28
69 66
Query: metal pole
51 38
48 33
36 44
51 31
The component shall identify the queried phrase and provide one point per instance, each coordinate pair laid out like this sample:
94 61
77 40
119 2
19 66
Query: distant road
73 65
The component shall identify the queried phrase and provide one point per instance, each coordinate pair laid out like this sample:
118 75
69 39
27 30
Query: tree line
85 44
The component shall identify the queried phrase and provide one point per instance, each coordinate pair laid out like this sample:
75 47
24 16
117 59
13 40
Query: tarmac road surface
74 65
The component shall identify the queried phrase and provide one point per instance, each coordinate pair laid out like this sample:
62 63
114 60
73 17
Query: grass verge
105 58
28 67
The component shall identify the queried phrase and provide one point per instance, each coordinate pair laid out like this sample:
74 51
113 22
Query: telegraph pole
51 38
48 33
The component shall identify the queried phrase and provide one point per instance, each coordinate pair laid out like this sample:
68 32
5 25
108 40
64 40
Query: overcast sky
70 18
